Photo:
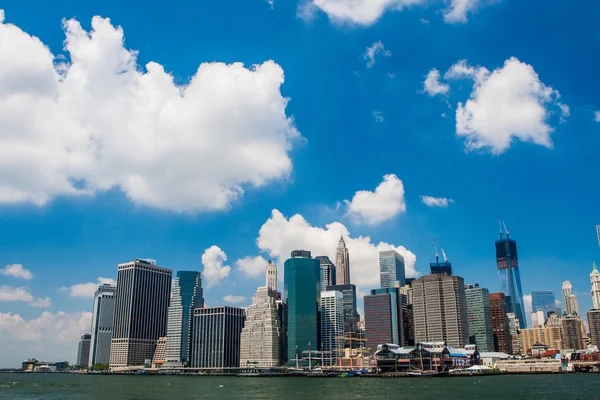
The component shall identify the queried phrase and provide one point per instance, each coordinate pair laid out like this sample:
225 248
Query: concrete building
259 340
187 295
271 278
507 260
391 269
83 351
500 325
440 310
593 317
569 299
102 321
479 317
332 326
572 333
342 263
515 333
141 307
302 281
160 354
553 321
384 317
351 317
538 318
216 337
595 280
328 277
550 337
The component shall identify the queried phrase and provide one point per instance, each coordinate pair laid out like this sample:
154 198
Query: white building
332 326
570 300
259 342
272 276
595 279
538 318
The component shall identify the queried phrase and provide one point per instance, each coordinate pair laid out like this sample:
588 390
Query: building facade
479 317
569 299
391 269
332 327
216 337
187 295
594 324
551 337
351 318
271 278
259 340
384 317
141 307
302 294
328 276
160 354
543 300
342 263
507 261
595 280
102 321
572 333
500 325
440 310
83 351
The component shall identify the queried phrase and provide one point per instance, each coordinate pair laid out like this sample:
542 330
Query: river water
114 387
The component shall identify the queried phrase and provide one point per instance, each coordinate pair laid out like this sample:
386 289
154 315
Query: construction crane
444 254
502 224
436 251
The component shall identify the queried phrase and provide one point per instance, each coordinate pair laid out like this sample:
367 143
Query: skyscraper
102 321
302 294
83 351
572 334
350 315
480 317
570 300
342 262
216 337
510 277
594 323
384 317
141 306
271 276
595 280
187 295
391 269
440 310
332 326
543 300
328 276
500 325
259 340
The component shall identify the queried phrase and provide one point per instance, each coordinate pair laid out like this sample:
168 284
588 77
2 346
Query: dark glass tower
302 294
328 273
510 279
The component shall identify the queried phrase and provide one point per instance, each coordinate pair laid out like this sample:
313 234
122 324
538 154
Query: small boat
426 374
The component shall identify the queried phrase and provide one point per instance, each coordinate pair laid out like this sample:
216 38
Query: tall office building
384 317
271 276
510 278
302 293
83 351
216 337
572 334
328 277
332 326
440 310
187 295
500 325
351 318
543 300
595 280
408 320
141 307
515 334
391 269
342 262
102 321
480 317
538 318
259 340
594 324
569 299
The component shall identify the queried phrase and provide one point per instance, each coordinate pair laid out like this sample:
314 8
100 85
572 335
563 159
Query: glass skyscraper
102 322
391 269
480 317
351 317
302 294
327 272
543 300
187 295
510 279
384 316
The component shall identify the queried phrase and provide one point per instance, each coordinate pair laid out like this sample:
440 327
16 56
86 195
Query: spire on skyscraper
595 280
342 263
271 276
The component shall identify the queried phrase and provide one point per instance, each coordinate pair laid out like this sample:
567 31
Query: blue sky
96 171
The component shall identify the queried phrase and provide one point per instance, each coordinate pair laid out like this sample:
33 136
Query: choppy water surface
86 387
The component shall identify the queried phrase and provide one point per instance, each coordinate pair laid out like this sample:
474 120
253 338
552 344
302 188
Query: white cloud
424 21
377 48
87 289
9 293
527 303
271 3
252 266
41 303
432 84
214 270
385 203
16 271
458 9
436 201
279 236
378 116
557 303
231 299
307 10
361 12
597 116
506 104
102 121
49 337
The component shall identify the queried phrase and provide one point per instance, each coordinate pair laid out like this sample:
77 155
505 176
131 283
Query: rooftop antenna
507 232
444 254
436 252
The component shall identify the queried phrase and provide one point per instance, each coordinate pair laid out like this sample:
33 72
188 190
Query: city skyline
92 184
